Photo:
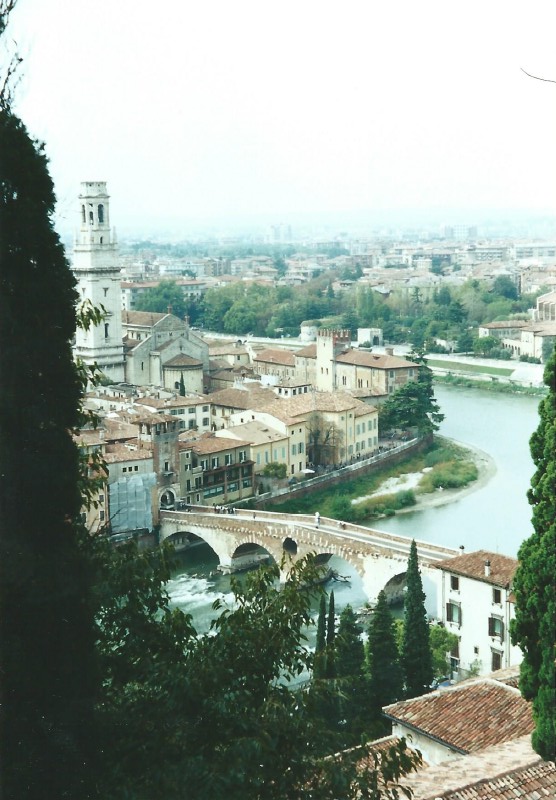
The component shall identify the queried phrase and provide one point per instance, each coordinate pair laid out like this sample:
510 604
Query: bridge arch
250 554
182 540
394 588
380 558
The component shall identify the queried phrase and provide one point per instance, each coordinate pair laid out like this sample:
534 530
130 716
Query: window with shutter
496 627
453 613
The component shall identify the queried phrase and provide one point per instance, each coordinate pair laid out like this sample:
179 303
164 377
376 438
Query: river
495 517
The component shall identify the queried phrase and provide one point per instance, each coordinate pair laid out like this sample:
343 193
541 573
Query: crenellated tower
97 273
330 343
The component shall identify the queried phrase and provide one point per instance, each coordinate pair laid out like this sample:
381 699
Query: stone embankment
392 454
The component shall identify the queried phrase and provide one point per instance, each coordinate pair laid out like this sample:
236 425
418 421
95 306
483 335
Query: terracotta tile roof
152 402
255 432
310 351
369 754
363 358
242 399
472 565
372 392
467 717
283 412
151 418
118 429
303 404
130 343
89 438
291 383
145 319
508 675
184 361
186 401
219 363
160 346
508 771
527 783
116 453
227 349
512 323
542 328
139 284
205 445
364 409
276 356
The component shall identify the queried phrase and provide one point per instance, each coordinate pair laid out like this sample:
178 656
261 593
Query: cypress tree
319 668
47 655
383 662
330 638
416 657
350 651
352 680
534 627
182 385
331 624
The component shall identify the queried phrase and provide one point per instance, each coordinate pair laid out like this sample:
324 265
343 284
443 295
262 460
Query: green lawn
472 368
444 456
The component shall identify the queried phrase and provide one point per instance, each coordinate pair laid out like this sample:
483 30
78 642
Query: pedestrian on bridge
317 519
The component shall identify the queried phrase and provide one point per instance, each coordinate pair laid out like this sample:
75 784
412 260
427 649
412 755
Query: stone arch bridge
379 558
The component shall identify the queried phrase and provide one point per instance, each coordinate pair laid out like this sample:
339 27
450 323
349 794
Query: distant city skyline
217 114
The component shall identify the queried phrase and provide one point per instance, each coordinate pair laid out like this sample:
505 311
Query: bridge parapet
276 524
377 556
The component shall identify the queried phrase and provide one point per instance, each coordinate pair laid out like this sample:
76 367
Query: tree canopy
413 405
383 661
48 661
534 627
232 726
416 656
167 295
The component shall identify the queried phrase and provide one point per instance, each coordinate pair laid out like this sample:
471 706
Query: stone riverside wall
343 475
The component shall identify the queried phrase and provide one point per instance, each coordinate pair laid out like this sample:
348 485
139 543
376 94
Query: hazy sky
212 109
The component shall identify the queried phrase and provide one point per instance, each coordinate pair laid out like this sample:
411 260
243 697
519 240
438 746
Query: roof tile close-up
467 717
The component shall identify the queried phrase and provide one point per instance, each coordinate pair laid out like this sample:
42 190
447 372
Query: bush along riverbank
494 385
444 465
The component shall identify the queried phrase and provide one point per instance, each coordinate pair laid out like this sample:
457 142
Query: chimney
169 309
462 548
487 568
389 351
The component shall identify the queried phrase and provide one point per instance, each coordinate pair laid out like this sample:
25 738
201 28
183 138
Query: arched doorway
167 499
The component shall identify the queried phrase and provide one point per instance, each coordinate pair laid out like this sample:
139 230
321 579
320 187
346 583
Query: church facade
161 349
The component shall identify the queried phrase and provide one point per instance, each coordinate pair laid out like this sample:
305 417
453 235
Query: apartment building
475 602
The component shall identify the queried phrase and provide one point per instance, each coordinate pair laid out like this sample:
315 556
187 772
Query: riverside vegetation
490 386
444 465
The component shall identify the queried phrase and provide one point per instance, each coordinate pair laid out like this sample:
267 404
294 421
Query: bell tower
97 274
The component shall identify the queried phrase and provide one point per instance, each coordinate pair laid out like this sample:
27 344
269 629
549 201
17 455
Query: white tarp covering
131 503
